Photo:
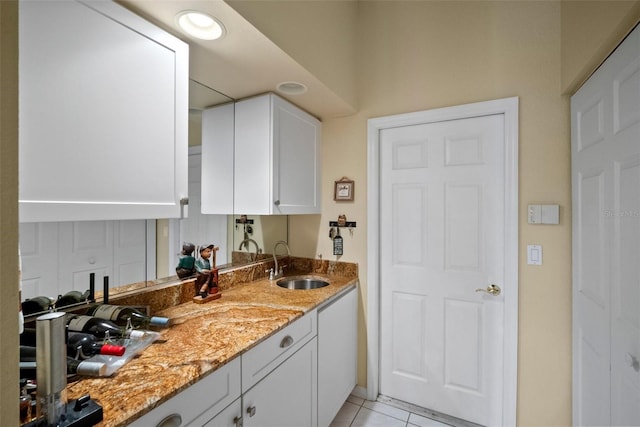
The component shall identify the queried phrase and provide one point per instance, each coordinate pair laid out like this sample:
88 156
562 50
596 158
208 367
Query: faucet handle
271 275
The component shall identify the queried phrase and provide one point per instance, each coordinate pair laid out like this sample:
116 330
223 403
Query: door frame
508 107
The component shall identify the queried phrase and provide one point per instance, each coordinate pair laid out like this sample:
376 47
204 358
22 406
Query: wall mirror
59 257
242 239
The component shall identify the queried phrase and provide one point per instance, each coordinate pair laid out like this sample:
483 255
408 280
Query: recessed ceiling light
291 88
200 25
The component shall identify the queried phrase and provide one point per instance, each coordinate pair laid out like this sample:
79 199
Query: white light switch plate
534 254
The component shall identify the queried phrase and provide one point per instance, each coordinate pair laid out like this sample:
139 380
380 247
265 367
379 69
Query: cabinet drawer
266 356
201 401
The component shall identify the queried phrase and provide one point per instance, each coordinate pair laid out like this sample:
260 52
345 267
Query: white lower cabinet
288 395
337 348
266 356
199 403
231 416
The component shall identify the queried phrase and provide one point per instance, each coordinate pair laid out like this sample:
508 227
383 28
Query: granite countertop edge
202 338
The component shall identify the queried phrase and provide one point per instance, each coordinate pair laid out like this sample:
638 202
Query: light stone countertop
202 338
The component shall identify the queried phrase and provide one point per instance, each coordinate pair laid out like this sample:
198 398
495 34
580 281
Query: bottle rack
347 224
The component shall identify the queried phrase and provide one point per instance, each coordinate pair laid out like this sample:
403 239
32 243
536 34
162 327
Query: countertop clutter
204 337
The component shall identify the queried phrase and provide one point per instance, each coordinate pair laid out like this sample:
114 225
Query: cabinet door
103 114
217 159
200 402
296 179
270 353
337 347
288 395
231 416
253 162
277 158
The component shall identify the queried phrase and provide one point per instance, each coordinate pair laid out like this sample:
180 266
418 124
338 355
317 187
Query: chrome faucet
280 272
245 243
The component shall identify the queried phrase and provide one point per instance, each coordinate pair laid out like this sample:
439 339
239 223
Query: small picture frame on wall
343 191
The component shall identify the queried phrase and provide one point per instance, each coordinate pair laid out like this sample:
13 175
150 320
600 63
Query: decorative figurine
187 264
207 274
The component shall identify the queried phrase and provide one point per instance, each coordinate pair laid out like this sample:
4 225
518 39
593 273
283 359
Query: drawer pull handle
251 410
173 420
286 341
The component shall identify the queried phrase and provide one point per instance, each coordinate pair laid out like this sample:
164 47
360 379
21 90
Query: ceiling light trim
200 25
291 88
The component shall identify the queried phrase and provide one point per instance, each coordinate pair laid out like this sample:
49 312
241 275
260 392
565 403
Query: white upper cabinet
276 158
103 114
217 160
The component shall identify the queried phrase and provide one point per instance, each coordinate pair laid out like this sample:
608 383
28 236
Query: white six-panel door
605 128
58 257
442 238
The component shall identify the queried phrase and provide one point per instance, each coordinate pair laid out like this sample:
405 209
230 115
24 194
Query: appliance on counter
52 408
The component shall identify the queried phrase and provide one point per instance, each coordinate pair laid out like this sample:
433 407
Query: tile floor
358 412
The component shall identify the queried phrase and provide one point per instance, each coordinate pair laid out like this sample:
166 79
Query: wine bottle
74 367
90 344
36 305
93 325
71 298
120 314
99 327
83 346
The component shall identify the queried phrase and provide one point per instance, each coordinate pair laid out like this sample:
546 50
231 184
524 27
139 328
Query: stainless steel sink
304 283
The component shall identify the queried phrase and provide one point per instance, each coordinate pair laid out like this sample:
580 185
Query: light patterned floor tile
345 415
355 399
419 420
387 410
368 418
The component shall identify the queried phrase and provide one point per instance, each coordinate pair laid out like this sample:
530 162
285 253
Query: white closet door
39 250
606 241
59 256
85 247
129 252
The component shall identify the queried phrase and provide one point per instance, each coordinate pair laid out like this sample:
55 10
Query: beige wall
422 55
325 40
590 31
9 212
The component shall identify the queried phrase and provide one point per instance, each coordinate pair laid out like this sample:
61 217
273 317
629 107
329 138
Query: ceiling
244 62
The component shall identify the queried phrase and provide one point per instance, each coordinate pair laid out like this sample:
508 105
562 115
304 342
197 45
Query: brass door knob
492 289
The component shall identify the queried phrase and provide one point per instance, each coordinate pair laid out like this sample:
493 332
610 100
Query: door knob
492 289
